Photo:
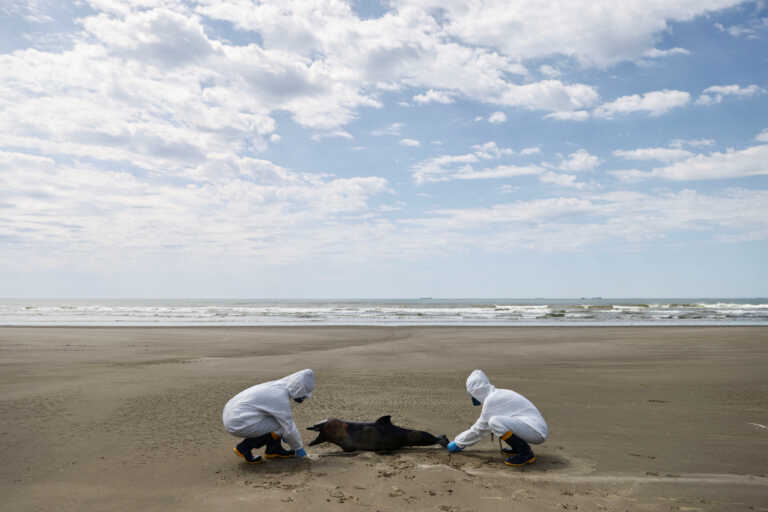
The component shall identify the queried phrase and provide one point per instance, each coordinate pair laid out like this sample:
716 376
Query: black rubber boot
514 445
275 449
246 446
520 451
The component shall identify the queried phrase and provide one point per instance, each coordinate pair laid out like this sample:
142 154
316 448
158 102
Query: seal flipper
384 420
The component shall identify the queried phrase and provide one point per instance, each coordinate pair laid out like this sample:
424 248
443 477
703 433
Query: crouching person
262 416
507 414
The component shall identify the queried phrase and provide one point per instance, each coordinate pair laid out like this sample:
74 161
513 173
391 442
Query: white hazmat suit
266 408
503 411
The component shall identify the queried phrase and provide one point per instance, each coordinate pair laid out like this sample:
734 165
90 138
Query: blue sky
328 148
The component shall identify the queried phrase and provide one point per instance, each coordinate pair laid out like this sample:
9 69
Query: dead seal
379 436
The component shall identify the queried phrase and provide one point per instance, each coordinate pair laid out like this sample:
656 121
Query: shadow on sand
465 461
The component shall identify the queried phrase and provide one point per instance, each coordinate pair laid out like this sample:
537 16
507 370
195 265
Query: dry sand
130 418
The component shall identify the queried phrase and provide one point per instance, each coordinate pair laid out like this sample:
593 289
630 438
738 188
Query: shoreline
124 417
485 325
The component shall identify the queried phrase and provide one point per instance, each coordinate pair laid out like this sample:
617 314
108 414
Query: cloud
662 154
552 95
655 53
146 128
410 143
433 96
752 161
461 167
501 171
497 118
563 180
749 30
762 136
580 161
332 134
491 150
575 115
678 143
593 35
160 36
259 206
715 94
571 223
393 129
654 103
549 71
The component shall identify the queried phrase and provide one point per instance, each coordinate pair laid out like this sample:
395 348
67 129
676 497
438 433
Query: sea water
422 311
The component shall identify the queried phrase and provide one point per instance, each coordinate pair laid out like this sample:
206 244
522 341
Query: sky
393 148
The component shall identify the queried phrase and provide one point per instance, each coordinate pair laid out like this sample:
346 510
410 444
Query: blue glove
301 452
453 447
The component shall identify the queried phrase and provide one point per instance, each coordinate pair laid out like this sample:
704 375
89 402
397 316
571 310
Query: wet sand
647 418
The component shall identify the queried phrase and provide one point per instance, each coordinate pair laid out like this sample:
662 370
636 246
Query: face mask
475 401
298 400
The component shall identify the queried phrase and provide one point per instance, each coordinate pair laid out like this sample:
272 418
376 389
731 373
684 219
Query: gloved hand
453 447
300 453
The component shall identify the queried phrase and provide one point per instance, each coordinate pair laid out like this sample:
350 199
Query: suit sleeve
475 432
284 417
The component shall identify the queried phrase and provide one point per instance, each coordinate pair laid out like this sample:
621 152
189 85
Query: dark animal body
379 436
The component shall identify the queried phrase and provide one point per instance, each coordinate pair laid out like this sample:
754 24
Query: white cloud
762 136
654 103
159 36
497 118
655 53
696 143
433 96
501 171
715 94
332 134
142 130
490 150
259 206
595 35
393 129
750 30
752 161
662 154
508 189
460 167
575 115
569 223
579 161
410 143
549 71
552 95
563 180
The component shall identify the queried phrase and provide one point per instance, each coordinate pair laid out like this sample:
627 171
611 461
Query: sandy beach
647 418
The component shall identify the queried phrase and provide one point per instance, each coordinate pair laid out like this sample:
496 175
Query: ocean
423 311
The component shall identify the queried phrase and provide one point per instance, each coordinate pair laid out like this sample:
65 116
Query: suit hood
300 384
478 385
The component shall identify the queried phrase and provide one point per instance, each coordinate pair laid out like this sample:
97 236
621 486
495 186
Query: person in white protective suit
262 416
509 415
